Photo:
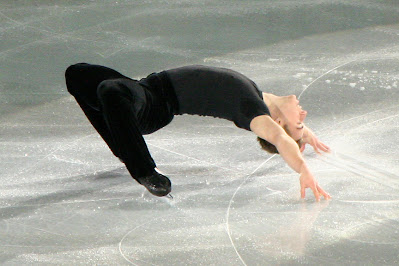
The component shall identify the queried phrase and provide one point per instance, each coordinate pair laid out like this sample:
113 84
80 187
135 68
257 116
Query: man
122 110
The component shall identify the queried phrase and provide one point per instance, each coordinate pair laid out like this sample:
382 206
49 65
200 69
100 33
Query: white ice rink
65 200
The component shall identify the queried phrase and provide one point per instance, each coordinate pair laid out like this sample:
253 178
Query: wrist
304 168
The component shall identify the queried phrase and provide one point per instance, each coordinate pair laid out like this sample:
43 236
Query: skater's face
293 117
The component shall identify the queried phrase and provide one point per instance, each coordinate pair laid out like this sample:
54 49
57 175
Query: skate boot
157 184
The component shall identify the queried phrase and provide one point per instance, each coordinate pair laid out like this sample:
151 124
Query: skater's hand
307 180
310 138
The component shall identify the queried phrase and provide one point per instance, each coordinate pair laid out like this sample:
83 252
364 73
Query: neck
271 102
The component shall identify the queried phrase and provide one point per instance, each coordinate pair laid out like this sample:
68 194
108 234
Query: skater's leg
82 81
122 102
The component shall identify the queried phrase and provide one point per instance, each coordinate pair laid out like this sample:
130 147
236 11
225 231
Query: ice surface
65 200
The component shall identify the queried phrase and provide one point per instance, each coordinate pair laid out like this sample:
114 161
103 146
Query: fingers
318 145
317 191
325 147
315 146
303 147
313 188
322 192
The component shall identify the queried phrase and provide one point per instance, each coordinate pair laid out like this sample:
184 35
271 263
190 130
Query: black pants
122 110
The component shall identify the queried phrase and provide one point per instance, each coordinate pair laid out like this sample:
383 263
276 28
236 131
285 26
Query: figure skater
122 110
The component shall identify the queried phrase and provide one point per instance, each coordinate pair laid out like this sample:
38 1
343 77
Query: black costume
122 109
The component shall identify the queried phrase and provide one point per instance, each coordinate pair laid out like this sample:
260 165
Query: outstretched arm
269 130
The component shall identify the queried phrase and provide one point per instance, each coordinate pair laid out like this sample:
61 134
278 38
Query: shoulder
261 121
265 127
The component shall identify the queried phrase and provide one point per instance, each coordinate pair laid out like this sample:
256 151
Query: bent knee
110 87
73 76
73 70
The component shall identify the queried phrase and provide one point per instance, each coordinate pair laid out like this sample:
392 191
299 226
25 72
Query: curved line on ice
231 201
326 73
135 228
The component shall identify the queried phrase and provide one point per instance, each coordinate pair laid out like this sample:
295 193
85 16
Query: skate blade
169 196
